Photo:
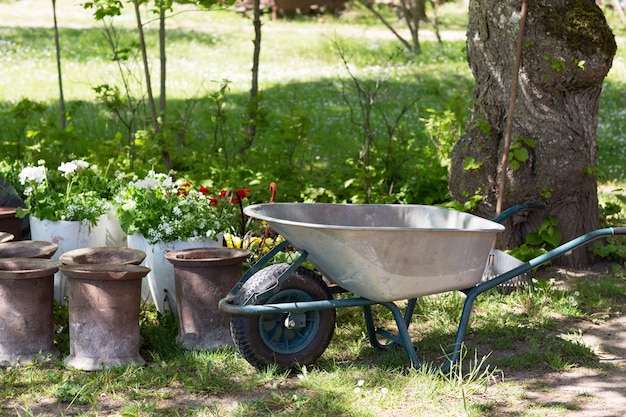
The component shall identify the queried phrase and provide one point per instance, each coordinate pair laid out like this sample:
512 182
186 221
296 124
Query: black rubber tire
247 331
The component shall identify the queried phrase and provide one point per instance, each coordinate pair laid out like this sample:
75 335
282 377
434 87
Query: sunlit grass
301 71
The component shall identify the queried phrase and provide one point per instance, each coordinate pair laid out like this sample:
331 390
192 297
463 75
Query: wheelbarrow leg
403 330
460 332
372 331
402 323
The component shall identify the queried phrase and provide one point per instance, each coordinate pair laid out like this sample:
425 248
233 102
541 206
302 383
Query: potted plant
66 207
161 215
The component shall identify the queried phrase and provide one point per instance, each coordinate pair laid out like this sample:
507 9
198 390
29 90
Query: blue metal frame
402 320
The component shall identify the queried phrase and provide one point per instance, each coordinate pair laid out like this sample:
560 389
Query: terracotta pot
28 249
103 255
159 287
203 277
104 303
26 310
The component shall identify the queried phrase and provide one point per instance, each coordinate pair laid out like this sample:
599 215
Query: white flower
129 205
154 180
37 174
67 168
146 183
80 163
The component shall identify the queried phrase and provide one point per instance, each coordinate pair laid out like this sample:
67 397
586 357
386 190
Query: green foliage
470 163
394 163
612 214
304 136
163 210
518 152
104 8
484 125
445 127
548 237
75 191
611 248
470 204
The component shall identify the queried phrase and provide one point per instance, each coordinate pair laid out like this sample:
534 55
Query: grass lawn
308 141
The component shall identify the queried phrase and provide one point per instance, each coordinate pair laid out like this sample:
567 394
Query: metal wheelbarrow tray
284 314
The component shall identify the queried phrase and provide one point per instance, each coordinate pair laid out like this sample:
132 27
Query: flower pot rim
27 268
6 237
104 272
90 256
39 249
210 254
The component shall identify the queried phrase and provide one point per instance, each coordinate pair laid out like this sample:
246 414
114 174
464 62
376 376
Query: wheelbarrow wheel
282 339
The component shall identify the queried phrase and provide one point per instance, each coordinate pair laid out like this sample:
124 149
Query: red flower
243 193
234 197
183 189
203 190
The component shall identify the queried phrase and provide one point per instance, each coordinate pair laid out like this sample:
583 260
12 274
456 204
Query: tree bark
253 106
62 116
163 57
153 113
568 50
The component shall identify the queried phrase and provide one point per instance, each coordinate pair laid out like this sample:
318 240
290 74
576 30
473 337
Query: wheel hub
295 321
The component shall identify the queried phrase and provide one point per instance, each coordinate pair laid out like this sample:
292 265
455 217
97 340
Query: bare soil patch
595 391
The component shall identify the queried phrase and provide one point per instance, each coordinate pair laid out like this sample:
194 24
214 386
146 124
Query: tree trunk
253 106
57 45
153 113
162 55
568 50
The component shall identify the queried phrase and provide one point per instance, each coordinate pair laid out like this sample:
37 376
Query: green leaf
470 163
483 125
521 154
554 238
534 239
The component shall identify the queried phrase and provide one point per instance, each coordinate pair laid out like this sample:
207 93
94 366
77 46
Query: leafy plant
74 192
470 163
612 215
548 237
518 152
165 210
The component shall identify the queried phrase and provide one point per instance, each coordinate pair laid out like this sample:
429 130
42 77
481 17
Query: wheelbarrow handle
619 230
512 210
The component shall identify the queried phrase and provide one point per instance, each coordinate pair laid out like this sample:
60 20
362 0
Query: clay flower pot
203 276
28 249
160 287
26 310
104 304
103 255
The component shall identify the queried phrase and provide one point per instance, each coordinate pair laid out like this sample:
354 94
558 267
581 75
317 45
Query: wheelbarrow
284 314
